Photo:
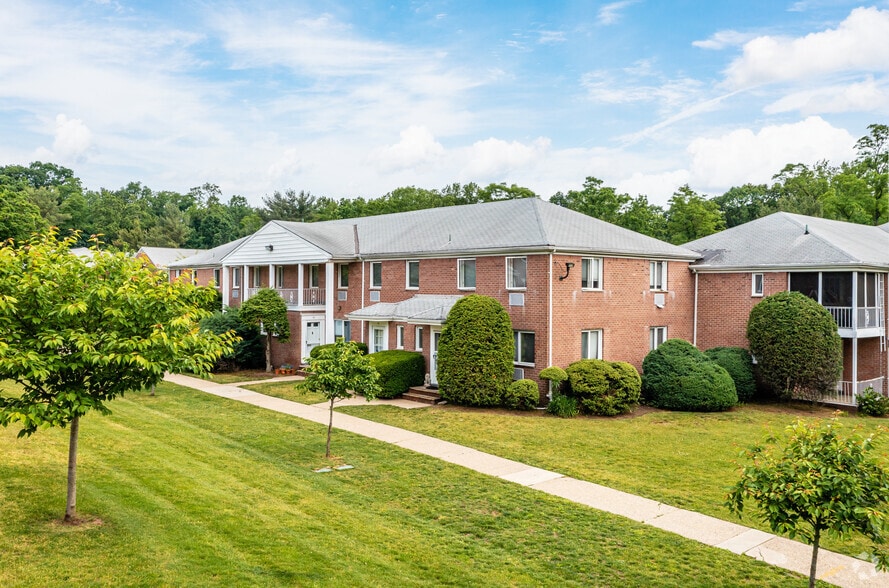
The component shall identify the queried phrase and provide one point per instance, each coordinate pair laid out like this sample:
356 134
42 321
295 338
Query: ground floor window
377 337
342 330
418 339
658 335
399 337
591 344
524 347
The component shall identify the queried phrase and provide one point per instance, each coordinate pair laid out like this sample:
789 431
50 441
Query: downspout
549 335
361 261
694 335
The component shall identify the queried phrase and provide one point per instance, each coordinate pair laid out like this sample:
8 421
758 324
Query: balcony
847 392
310 296
865 322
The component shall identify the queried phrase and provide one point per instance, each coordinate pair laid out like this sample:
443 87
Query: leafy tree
248 352
596 200
495 192
849 197
267 309
814 481
290 206
742 204
338 369
476 352
801 189
19 218
798 350
640 216
873 163
76 333
691 216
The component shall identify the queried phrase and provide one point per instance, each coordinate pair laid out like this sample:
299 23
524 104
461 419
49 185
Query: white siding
287 248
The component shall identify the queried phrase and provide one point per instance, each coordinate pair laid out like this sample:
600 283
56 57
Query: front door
311 336
434 338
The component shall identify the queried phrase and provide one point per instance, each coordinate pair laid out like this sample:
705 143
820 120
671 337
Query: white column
299 285
245 282
854 365
328 301
226 282
272 284
855 304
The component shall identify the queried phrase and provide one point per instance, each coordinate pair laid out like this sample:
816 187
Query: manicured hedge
362 347
603 387
739 365
522 394
399 370
677 376
475 352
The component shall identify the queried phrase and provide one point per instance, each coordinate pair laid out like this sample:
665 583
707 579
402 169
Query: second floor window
516 273
413 274
343 275
466 274
256 274
376 274
313 276
657 275
591 273
279 276
757 286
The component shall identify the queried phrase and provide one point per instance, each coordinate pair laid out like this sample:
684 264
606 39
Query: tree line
40 195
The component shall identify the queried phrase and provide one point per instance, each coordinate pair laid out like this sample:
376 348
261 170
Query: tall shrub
603 387
677 376
797 348
248 353
476 352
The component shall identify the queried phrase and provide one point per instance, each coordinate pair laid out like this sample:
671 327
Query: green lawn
682 459
241 376
186 489
288 391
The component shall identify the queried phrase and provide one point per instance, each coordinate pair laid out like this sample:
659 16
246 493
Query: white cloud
635 84
859 43
416 147
286 166
723 39
658 186
72 138
866 96
612 13
743 155
490 159
550 37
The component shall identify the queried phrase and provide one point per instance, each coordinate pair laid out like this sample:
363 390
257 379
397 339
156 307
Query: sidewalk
835 568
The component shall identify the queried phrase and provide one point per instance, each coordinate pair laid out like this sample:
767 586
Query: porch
847 391
297 298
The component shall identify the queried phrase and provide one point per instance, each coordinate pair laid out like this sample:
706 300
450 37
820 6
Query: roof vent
807 230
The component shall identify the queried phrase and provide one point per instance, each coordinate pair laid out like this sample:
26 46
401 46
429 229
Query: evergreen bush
677 376
603 387
739 365
522 395
476 352
248 353
399 370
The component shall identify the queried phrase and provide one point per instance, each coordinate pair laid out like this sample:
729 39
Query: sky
357 98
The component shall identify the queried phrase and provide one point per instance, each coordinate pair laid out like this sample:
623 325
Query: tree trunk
329 429
814 567
268 353
71 502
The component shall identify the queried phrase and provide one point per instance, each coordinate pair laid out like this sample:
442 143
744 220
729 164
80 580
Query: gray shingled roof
163 257
527 224
422 308
793 241
207 258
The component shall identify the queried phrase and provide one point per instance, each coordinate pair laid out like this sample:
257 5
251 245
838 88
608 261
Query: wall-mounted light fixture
568 266
270 247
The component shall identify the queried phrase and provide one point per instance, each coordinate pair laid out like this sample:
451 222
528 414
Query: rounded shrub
399 370
563 406
475 352
554 376
739 365
603 387
248 353
522 395
677 376
870 403
362 347
798 351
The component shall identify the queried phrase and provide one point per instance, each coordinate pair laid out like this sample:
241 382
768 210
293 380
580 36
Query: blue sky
357 98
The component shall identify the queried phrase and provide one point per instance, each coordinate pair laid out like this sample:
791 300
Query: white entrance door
434 338
311 336
377 337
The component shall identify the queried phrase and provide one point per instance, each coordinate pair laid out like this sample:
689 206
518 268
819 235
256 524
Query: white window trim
236 277
407 274
399 337
583 351
518 336
460 262
255 276
217 277
598 263
509 273
652 285
339 275
372 285
652 336
418 339
385 328
762 284
314 275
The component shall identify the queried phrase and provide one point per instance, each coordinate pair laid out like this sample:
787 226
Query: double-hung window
591 344
342 275
657 336
524 347
412 271
399 337
591 273
256 275
466 274
516 273
657 275
236 277
279 276
757 285
216 277
376 274
342 330
313 276
418 339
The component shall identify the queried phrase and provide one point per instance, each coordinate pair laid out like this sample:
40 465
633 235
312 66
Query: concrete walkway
837 569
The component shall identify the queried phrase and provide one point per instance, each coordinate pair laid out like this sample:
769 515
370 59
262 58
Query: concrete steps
422 394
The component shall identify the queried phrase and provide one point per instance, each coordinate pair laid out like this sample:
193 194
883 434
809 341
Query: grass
186 489
687 460
288 391
241 376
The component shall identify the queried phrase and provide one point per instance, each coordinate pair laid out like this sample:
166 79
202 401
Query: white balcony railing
311 296
866 317
847 392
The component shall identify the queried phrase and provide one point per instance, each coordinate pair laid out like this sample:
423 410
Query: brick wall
724 304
